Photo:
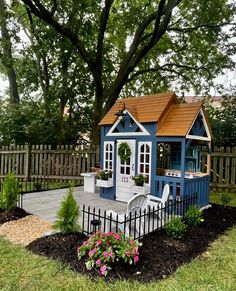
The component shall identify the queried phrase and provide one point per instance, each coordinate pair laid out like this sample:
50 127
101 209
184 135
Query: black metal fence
137 224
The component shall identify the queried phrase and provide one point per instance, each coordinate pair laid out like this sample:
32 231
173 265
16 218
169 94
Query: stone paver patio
45 204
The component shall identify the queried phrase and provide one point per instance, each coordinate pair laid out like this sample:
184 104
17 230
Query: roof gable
127 125
182 120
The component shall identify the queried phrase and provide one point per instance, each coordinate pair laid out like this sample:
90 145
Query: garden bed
15 214
160 255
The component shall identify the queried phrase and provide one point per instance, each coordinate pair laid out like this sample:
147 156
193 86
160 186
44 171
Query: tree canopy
83 55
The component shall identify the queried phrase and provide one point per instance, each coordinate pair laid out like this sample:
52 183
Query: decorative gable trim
201 130
142 131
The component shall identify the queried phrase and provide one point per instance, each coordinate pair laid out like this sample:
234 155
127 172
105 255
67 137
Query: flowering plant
139 179
103 249
104 175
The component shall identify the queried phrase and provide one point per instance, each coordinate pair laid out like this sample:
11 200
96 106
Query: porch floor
45 204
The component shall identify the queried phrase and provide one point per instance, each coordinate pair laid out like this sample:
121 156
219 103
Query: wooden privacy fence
41 161
67 163
223 168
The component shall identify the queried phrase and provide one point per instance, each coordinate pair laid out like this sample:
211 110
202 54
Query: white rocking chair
118 221
153 201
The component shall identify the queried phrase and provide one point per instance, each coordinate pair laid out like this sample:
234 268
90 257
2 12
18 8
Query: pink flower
98 262
103 270
127 254
136 259
90 254
131 241
110 233
135 250
111 254
94 251
98 243
105 254
117 236
85 243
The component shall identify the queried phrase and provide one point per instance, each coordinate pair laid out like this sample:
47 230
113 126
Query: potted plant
104 178
139 186
103 175
139 180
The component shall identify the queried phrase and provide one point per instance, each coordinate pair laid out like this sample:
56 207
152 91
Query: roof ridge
142 96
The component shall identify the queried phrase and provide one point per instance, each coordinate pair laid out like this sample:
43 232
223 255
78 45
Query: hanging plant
124 151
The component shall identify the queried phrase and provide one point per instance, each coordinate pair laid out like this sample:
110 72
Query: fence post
27 162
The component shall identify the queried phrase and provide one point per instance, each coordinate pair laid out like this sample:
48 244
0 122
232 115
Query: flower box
105 183
141 189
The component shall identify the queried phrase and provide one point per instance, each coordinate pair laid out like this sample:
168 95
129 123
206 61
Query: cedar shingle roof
148 108
179 119
173 119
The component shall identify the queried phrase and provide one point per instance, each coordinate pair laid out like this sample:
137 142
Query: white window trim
150 157
111 133
104 154
196 137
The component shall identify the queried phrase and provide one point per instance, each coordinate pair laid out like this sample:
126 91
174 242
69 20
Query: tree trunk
7 58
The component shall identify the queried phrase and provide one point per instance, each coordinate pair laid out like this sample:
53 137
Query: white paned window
144 161
108 156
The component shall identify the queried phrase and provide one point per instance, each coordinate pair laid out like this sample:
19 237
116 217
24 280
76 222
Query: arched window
144 161
108 156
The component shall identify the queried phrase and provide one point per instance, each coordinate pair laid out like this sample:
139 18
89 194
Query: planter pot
105 183
141 189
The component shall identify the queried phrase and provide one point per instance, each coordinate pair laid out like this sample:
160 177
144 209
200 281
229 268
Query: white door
124 173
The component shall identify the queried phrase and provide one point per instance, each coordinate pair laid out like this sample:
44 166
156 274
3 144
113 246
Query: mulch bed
160 255
15 214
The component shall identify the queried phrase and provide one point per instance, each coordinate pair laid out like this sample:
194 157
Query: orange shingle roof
148 108
173 119
179 119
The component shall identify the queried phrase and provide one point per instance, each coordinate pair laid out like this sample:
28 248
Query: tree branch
205 25
134 55
40 11
102 28
165 68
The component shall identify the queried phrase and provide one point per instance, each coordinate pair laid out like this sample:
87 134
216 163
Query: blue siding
187 186
110 193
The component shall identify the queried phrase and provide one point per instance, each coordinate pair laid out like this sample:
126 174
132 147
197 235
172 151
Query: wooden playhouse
161 139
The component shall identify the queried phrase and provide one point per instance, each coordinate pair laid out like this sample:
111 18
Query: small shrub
175 227
225 198
37 186
10 192
68 214
193 216
103 249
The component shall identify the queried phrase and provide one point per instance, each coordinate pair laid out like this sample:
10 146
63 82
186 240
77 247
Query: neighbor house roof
173 118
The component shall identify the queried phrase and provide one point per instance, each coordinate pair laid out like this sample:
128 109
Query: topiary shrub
176 227
68 214
225 198
193 216
10 192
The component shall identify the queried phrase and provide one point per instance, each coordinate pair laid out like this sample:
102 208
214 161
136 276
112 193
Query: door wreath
124 151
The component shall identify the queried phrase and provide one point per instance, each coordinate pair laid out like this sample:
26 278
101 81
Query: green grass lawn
216 198
214 270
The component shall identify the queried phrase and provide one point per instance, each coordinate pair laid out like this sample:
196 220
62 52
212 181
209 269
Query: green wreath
124 151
